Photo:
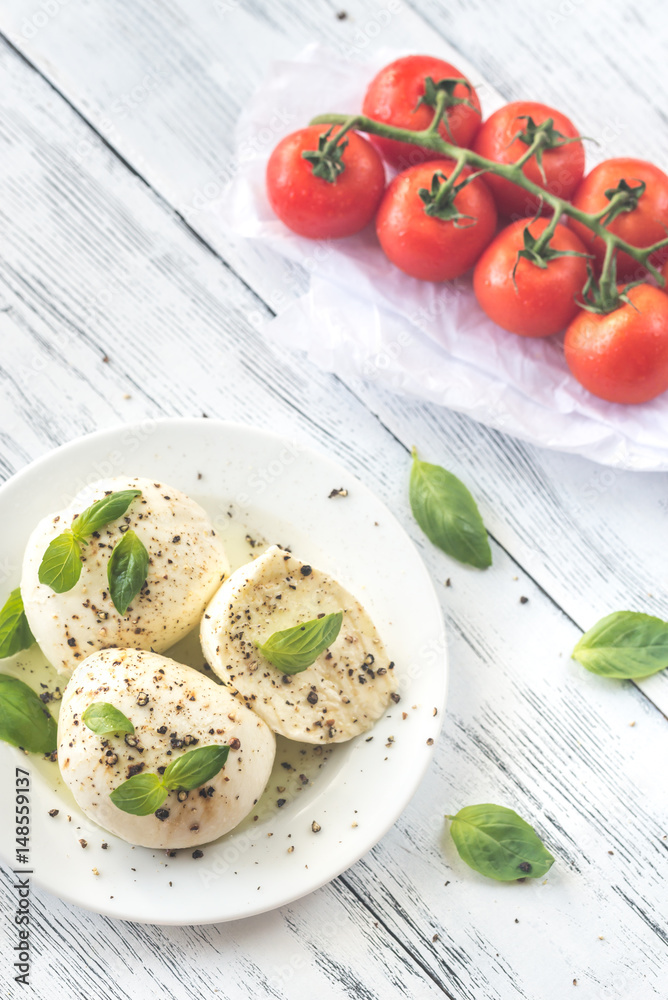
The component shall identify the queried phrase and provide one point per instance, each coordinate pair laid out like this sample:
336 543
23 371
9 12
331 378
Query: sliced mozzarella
174 709
186 564
347 688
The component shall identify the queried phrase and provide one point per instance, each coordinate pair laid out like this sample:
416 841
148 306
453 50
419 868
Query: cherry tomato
540 301
642 226
497 140
423 245
622 356
318 208
393 97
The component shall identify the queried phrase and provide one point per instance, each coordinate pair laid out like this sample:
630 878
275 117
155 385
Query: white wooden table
119 301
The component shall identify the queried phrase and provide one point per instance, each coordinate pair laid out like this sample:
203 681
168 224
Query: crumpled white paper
365 320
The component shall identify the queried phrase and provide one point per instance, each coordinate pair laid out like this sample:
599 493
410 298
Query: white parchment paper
367 321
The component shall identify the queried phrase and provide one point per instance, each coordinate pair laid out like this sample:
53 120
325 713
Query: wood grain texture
565 520
330 947
96 263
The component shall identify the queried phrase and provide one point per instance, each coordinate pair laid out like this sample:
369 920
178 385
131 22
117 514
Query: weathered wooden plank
558 745
328 945
586 534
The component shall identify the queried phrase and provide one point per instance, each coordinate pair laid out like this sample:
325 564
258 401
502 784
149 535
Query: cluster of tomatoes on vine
542 260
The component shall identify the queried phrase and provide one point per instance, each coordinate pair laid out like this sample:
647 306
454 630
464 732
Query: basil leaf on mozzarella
140 795
102 512
101 718
293 650
126 571
60 568
195 768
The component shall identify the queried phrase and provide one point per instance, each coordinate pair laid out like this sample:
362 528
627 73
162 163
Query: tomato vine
602 296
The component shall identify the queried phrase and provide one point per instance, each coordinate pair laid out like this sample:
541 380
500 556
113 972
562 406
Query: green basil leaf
24 722
294 649
140 795
496 842
60 568
102 512
15 633
126 571
625 645
101 718
195 768
448 515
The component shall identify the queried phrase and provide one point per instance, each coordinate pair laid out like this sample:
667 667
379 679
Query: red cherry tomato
563 165
318 208
641 227
540 301
622 356
423 245
393 97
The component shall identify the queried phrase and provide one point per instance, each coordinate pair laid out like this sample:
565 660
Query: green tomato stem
547 234
439 111
606 281
444 193
431 139
336 139
538 143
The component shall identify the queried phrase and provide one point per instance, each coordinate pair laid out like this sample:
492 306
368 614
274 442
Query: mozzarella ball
186 565
174 709
339 696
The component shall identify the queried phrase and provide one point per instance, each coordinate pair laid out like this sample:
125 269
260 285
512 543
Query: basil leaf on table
15 633
448 514
140 795
195 768
101 718
496 842
102 512
24 721
294 649
625 645
60 568
126 571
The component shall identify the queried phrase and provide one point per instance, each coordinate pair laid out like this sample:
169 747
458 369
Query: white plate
279 491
